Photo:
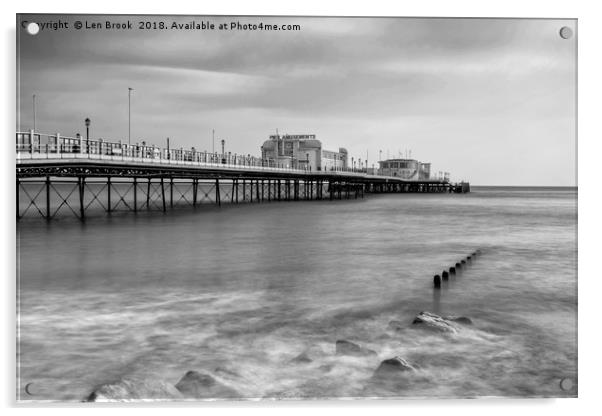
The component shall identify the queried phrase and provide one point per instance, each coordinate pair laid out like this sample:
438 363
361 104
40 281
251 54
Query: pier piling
109 194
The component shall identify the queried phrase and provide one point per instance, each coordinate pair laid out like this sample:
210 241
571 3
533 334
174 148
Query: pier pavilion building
302 151
405 169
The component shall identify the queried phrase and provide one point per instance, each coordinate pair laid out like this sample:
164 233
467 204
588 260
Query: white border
590 96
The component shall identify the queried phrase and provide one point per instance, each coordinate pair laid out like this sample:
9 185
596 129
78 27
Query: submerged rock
132 389
393 366
434 322
396 326
226 372
302 358
197 385
344 347
383 336
460 319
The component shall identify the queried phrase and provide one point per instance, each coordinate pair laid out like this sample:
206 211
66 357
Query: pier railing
34 146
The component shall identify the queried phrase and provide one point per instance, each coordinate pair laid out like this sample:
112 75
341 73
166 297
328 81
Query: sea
242 290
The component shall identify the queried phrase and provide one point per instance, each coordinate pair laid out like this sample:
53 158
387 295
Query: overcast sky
491 101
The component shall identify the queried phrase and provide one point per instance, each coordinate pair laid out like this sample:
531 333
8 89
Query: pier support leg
262 190
269 191
296 190
148 186
82 184
232 192
195 187
257 190
109 194
17 195
218 197
279 196
244 190
163 193
135 194
48 197
171 192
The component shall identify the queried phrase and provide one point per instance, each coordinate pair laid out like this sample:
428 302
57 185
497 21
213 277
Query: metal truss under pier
78 186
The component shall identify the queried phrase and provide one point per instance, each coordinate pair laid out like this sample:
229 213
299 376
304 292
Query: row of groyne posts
454 270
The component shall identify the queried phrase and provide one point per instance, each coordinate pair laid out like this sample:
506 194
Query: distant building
405 169
301 151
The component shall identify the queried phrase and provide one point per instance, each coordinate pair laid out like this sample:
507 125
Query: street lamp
34 112
130 115
87 121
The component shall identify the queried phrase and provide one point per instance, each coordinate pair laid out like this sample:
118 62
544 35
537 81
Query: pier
57 174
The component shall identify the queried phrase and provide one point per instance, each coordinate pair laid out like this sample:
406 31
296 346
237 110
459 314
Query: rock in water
131 390
195 385
396 326
302 358
460 319
434 322
393 366
344 347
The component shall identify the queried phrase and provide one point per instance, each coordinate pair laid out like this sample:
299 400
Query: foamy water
239 292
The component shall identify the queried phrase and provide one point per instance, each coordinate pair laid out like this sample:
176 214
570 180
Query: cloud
435 85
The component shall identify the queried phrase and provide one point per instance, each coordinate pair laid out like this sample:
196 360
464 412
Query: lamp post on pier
130 115
34 112
87 122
